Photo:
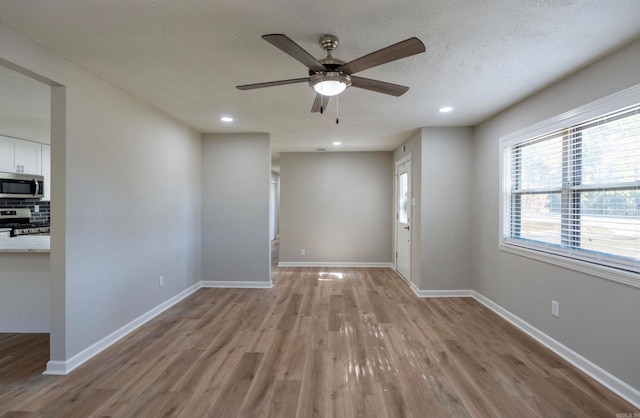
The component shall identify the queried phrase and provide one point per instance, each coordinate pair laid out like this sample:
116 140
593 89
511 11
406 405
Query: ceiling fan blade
294 50
378 86
394 52
320 101
272 83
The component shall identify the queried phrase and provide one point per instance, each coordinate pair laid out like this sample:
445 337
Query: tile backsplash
44 207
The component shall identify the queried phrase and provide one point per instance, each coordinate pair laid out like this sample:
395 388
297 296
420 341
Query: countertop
26 244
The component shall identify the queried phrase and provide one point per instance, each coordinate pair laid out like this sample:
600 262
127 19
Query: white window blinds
576 191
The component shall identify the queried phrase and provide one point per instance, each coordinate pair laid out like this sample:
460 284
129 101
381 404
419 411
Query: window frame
550 253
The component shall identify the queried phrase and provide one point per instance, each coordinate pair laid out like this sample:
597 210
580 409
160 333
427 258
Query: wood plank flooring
324 342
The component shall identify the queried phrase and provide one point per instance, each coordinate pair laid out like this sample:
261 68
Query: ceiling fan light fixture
330 83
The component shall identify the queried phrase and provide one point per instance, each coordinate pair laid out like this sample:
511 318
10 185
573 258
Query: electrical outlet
36 208
555 308
303 252
161 281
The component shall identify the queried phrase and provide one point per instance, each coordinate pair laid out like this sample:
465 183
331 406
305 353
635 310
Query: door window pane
403 198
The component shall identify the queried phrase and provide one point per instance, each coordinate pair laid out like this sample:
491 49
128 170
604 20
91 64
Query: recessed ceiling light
226 119
445 109
336 143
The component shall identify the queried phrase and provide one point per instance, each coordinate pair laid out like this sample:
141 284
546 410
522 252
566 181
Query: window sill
604 272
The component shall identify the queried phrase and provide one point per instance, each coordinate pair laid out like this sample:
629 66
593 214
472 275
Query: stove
18 222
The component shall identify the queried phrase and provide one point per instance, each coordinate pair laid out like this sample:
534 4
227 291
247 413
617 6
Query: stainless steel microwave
21 186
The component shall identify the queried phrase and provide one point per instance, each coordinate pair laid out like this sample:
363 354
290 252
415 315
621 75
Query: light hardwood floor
324 342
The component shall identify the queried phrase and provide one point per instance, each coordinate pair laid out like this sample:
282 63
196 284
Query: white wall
599 318
235 208
126 183
337 206
441 170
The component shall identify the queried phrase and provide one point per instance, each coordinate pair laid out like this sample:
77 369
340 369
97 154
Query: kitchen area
25 174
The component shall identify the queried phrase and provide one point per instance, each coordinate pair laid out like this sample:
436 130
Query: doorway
403 205
50 131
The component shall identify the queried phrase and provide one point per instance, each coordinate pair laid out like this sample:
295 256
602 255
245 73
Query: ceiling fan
330 76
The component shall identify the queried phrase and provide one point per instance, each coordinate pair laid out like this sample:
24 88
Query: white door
272 210
403 218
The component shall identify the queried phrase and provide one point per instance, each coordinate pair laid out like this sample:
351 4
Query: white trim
613 102
455 293
240 285
611 382
57 368
403 159
622 389
333 264
619 100
617 386
597 270
65 367
408 158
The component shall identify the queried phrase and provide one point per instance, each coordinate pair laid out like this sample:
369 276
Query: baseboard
334 264
58 368
65 367
617 386
456 293
622 389
241 285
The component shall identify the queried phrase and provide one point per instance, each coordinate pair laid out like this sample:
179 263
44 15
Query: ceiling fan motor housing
330 82
329 42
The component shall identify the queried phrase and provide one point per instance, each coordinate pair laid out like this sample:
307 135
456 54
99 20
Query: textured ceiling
186 57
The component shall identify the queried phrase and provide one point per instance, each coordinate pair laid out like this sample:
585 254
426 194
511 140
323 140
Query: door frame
273 210
403 160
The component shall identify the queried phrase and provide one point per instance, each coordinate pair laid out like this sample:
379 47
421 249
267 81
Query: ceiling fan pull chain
337 111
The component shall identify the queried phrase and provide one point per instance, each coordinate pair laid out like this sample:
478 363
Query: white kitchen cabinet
19 156
28 157
46 170
7 155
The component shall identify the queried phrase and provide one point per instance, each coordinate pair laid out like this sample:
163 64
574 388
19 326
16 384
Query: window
574 192
403 203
